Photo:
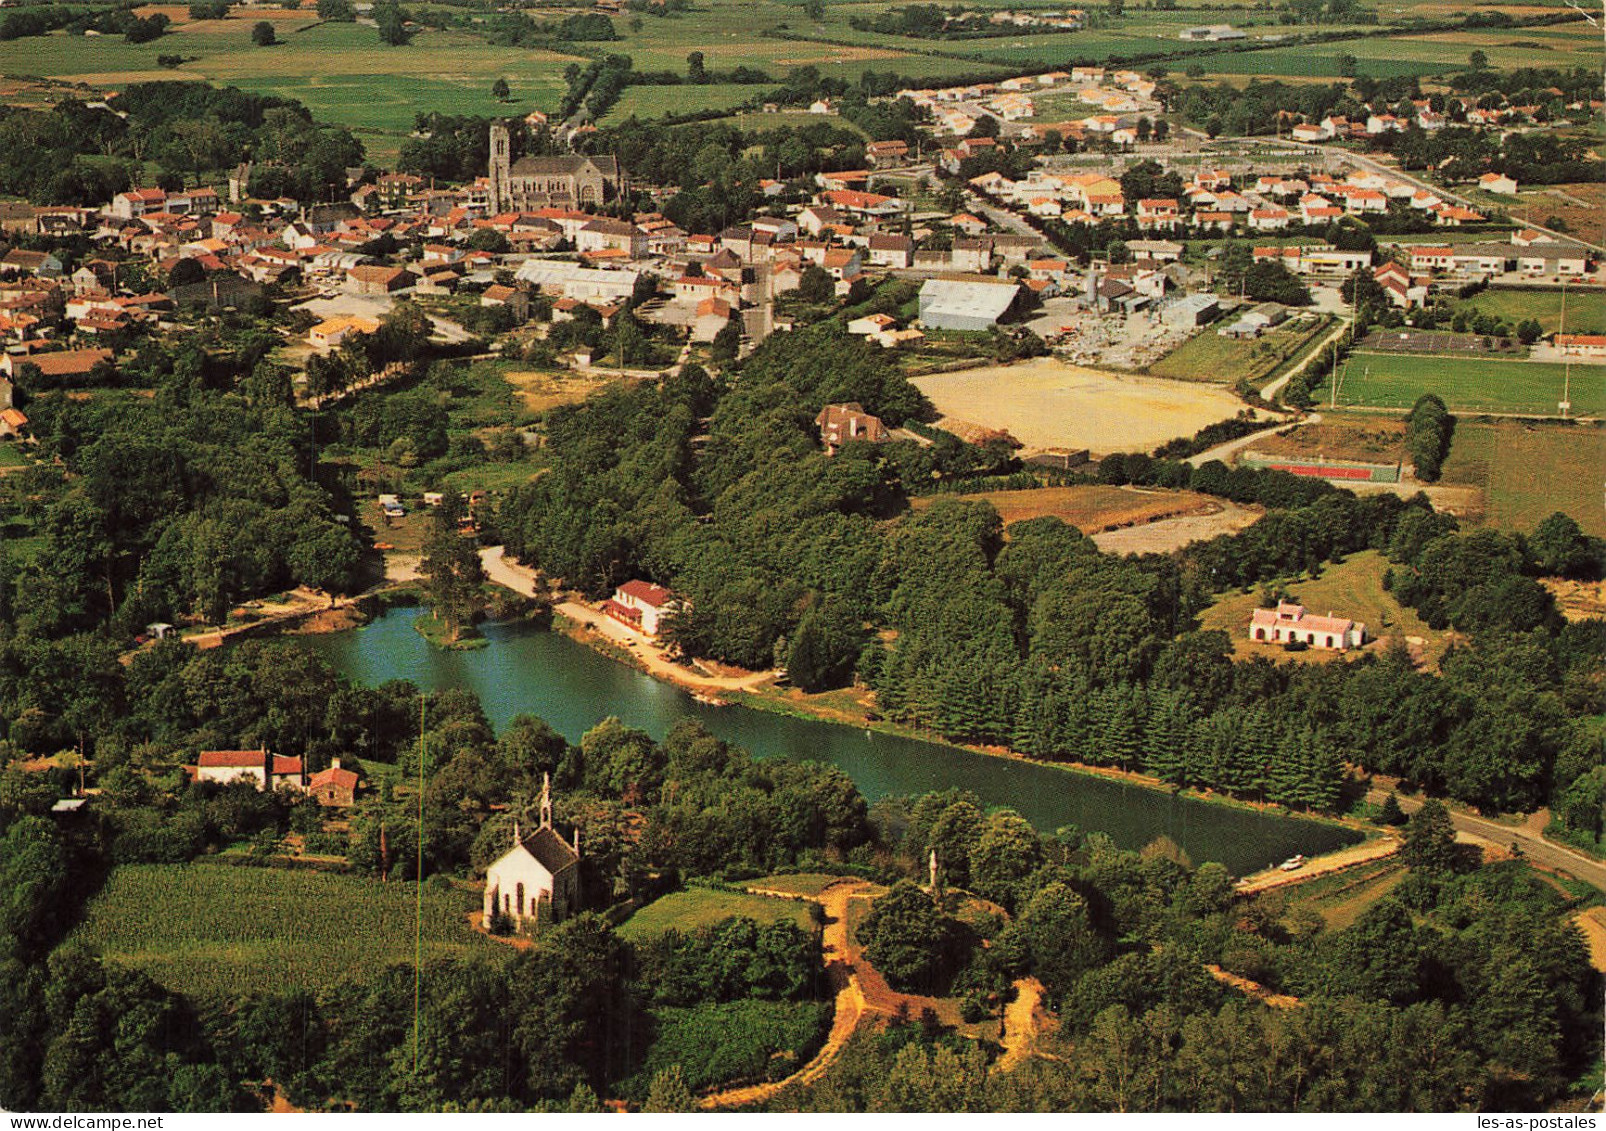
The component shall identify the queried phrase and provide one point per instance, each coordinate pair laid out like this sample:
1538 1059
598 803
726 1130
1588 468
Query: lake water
528 670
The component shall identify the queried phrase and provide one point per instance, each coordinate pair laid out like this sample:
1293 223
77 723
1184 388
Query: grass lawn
1586 310
703 907
656 101
801 883
1207 356
206 929
1351 589
1528 472
11 455
1469 384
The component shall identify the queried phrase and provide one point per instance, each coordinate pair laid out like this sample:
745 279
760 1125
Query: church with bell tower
537 880
571 181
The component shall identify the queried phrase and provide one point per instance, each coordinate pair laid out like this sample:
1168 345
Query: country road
1533 844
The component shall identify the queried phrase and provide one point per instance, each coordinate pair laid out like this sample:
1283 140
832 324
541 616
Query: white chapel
538 877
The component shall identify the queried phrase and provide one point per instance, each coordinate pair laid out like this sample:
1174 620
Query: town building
963 304
536 182
1289 623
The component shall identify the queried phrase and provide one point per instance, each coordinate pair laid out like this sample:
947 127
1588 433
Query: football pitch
1470 385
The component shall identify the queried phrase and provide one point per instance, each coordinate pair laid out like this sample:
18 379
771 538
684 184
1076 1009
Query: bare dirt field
1090 509
1367 439
541 390
1050 404
1167 534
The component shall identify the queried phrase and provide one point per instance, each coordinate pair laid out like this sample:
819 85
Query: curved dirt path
1020 1024
850 1003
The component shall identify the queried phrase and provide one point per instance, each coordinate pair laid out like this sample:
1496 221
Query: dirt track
850 1004
1364 853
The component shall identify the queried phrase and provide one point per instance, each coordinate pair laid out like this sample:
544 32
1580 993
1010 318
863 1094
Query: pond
529 670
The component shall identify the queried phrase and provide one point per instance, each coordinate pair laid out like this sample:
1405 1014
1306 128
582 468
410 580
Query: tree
341 11
1063 942
668 1093
262 34
451 568
1430 841
1346 65
500 90
1478 61
1529 331
695 71
909 940
392 23
815 285
1116 8
814 10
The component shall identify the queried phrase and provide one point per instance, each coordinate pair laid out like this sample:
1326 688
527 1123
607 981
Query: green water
526 670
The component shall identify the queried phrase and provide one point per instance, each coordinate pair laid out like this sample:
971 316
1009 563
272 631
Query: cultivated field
1582 207
213 930
1090 509
1527 472
1207 356
1353 589
1586 308
1468 384
703 907
1049 404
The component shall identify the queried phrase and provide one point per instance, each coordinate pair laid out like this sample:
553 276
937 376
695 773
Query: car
1292 864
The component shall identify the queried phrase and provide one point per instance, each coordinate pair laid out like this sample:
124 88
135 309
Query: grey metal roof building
951 304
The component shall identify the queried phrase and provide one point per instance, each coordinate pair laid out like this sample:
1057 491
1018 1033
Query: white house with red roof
1289 623
641 605
268 771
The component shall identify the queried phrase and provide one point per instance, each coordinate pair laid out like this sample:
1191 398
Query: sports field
1469 384
1527 472
1586 309
209 930
1051 404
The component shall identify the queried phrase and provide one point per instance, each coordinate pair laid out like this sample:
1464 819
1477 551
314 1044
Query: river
525 669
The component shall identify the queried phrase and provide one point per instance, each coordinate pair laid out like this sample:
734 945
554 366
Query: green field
1586 311
1527 472
1382 380
340 71
800 883
1208 356
211 930
703 907
1353 588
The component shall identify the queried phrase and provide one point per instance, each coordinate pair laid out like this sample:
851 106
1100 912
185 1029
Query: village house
538 877
641 605
329 334
266 770
59 366
1289 623
1581 345
839 423
335 787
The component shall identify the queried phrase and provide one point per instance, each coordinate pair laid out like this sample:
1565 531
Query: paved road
1526 836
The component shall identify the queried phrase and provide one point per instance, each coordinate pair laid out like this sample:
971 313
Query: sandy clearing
1593 924
1168 534
1046 403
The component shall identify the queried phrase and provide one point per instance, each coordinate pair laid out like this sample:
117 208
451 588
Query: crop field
1353 588
210 930
656 101
1582 207
1207 356
1090 509
1527 472
1586 309
703 907
1052 404
1469 384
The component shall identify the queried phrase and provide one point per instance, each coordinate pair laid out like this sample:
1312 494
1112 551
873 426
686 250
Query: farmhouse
539 874
641 605
953 304
1212 33
62 365
1289 623
267 771
1498 183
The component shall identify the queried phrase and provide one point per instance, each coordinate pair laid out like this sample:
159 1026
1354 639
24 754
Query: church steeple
546 801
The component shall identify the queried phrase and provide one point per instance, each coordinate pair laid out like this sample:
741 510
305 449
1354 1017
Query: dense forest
1032 638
